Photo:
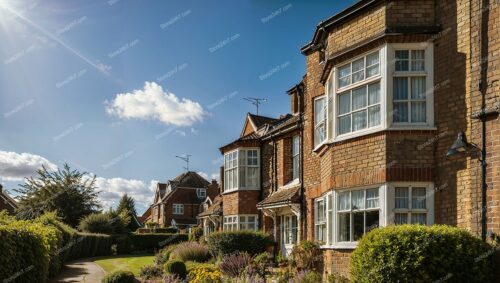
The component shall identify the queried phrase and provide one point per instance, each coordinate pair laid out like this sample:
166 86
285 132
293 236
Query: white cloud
203 174
15 166
111 190
153 103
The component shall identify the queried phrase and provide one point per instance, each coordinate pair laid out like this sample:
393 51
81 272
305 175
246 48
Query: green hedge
222 243
90 245
153 242
25 251
416 253
168 230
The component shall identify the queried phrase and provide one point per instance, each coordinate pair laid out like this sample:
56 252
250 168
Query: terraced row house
372 138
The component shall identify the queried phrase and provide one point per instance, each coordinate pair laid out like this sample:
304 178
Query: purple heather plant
235 264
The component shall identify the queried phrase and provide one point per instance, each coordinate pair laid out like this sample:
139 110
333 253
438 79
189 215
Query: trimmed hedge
416 253
153 242
228 242
168 230
119 277
176 267
32 251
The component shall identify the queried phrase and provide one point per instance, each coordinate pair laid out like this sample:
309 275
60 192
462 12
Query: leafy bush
191 251
196 234
416 253
123 244
261 263
171 278
164 254
205 273
235 264
224 243
90 245
337 278
119 277
151 272
99 223
153 242
175 267
307 276
169 230
306 255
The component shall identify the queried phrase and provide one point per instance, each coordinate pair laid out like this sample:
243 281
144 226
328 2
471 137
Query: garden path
84 270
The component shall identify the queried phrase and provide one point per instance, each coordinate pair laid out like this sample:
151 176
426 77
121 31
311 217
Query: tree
70 193
127 206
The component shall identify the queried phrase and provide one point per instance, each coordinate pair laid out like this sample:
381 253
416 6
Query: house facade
178 202
389 85
6 202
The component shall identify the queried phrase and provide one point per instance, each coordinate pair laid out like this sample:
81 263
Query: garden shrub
176 267
153 242
337 278
196 234
191 251
100 223
90 245
261 263
306 255
228 242
119 277
68 233
205 273
307 276
171 278
235 264
417 253
151 272
164 254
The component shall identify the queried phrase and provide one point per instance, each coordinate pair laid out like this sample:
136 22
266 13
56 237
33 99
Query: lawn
125 262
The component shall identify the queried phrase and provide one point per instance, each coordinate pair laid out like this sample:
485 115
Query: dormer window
201 192
242 169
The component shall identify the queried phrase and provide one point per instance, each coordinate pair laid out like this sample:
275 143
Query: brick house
388 86
177 202
6 202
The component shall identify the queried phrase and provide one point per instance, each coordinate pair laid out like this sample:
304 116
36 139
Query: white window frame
320 225
238 185
178 208
289 233
323 123
201 192
234 222
429 201
296 157
386 77
386 209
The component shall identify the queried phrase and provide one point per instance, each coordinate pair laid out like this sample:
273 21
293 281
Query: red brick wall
240 202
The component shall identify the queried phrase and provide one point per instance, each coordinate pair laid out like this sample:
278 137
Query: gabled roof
161 189
189 179
4 197
214 209
256 121
284 124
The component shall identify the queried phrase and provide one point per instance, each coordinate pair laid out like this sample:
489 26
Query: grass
131 263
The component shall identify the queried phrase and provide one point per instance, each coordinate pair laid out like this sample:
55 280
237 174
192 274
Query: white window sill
316 148
356 134
340 246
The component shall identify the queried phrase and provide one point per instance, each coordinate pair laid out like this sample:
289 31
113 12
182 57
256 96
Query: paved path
84 270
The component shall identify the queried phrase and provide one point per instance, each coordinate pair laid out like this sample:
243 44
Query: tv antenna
185 158
255 101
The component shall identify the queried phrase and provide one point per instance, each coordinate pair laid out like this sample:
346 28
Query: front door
288 233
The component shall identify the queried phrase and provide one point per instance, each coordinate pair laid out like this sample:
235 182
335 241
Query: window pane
372 59
400 218
418 87
400 88
358 73
252 178
345 75
319 110
372 198
400 112
358 199
359 120
374 116
344 124
372 71
359 225
295 167
372 220
418 198
359 98
372 63
344 103
418 65
243 178
402 54
344 201
319 134
344 227
418 112
294 229
402 198
418 54
296 145
373 93
419 218
402 63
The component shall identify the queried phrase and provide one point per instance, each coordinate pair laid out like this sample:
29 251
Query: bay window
319 121
240 222
295 157
242 169
341 218
391 87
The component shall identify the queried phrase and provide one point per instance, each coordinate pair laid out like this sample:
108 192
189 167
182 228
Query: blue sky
118 88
